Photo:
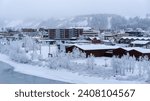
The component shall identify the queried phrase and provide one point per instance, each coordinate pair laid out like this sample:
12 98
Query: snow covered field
62 75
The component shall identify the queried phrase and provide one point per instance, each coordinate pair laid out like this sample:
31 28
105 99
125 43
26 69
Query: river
9 76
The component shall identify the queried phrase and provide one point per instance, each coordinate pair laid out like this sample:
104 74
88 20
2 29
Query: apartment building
64 34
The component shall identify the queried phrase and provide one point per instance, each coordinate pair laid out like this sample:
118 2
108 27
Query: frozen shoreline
9 76
60 75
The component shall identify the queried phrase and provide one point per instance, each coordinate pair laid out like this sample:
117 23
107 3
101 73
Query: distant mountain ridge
97 21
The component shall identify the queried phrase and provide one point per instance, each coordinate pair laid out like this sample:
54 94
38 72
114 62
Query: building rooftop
142 50
140 42
140 38
95 46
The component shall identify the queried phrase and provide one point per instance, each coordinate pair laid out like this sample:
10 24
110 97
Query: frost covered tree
143 65
29 44
123 65
83 55
128 63
16 52
53 62
61 60
115 62
90 62
76 53
148 72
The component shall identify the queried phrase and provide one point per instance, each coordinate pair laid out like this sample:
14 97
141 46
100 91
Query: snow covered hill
96 21
103 21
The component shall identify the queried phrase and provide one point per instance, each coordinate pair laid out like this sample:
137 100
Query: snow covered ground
64 75
99 61
45 50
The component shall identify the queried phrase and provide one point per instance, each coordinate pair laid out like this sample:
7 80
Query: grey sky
20 9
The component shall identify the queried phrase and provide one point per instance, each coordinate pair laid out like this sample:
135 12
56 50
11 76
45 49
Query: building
128 40
95 40
64 34
140 53
135 33
90 33
29 31
140 43
98 50
119 52
132 51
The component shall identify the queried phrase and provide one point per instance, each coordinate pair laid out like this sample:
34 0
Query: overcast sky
23 9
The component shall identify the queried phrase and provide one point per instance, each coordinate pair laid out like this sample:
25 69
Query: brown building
119 52
132 51
97 50
139 53
94 40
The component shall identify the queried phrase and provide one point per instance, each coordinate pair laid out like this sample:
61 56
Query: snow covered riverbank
61 75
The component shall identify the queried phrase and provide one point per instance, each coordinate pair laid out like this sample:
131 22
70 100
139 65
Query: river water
9 76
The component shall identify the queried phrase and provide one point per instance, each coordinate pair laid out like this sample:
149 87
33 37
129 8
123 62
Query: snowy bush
145 71
90 62
40 57
61 60
53 62
20 57
16 52
131 68
148 72
29 44
34 55
76 53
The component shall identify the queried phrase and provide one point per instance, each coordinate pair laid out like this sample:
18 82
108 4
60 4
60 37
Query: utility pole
49 49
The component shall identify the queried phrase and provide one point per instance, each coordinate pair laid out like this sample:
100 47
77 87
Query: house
140 52
78 41
98 50
94 40
90 33
140 43
132 51
119 52
109 36
128 40
135 33
30 32
108 42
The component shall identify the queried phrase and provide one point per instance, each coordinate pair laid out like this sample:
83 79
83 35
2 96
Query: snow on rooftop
46 40
95 46
81 41
140 42
84 28
140 38
142 50
97 38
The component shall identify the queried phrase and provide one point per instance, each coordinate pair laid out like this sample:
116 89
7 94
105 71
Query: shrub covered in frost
16 52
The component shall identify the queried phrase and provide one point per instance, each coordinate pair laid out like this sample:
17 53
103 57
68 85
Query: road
9 76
